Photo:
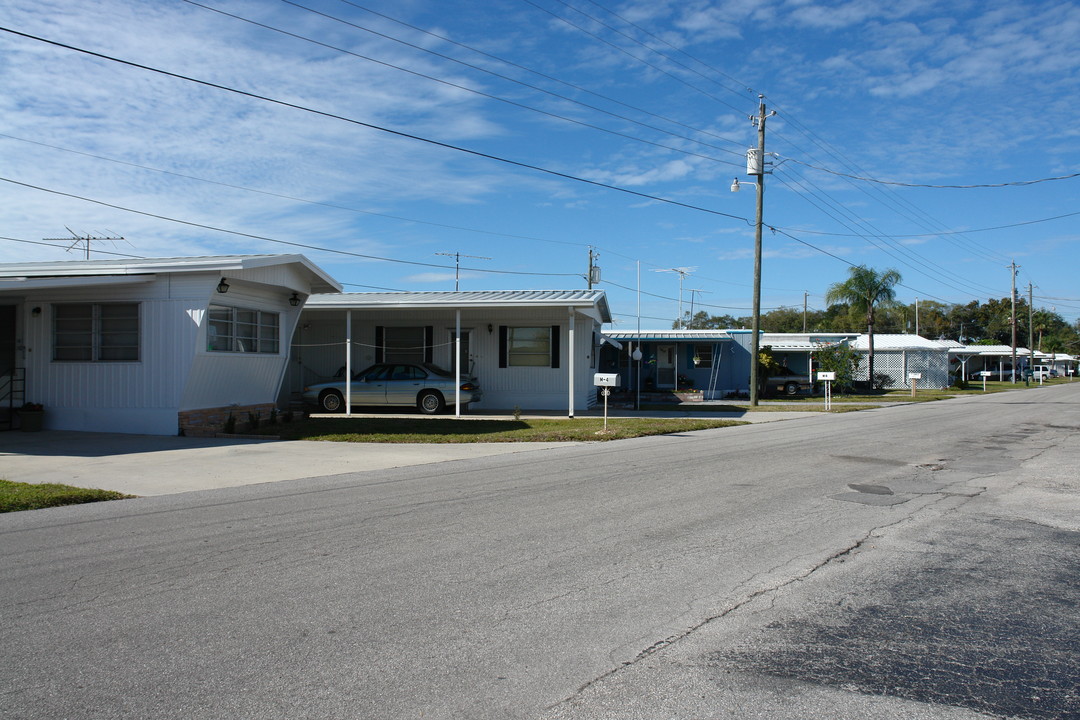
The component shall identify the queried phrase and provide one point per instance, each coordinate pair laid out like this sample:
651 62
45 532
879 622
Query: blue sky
610 124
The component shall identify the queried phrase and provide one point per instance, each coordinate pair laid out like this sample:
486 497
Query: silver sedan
427 387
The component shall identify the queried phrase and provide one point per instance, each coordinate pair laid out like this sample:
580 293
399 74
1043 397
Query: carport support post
348 363
570 363
457 363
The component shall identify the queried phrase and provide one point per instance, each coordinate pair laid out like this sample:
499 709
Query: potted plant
31 417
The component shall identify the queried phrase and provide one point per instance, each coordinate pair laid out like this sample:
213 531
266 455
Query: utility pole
805 295
1013 268
756 166
916 316
457 265
1031 329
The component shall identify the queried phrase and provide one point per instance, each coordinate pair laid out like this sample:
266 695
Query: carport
533 350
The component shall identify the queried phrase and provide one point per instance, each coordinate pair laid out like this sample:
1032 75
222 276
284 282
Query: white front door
665 367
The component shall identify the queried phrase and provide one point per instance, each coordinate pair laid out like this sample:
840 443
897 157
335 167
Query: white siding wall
174 371
118 397
217 379
318 352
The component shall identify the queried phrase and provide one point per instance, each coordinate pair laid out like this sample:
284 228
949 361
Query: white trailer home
154 346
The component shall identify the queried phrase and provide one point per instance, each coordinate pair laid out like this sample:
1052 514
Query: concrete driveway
161 465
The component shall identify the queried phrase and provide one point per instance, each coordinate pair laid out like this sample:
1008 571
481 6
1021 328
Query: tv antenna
683 272
76 239
457 264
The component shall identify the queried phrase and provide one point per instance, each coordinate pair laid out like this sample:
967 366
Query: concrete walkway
161 465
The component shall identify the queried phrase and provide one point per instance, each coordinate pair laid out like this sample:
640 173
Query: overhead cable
371 126
1015 183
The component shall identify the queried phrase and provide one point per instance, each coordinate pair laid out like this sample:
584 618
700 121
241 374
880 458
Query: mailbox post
827 377
914 378
606 381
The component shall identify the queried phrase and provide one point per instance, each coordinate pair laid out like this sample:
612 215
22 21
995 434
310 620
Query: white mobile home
151 346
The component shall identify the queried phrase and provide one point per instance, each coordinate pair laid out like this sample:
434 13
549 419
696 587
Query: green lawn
29 496
460 430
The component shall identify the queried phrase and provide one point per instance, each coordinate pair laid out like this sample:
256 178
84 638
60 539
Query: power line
629 54
897 203
676 49
61 247
1015 183
533 71
948 232
481 93
346 208
371 126
887 244
274 240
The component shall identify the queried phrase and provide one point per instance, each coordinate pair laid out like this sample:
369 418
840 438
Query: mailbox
823 375
606 379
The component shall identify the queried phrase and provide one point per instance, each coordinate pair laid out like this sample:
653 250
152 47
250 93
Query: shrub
841 360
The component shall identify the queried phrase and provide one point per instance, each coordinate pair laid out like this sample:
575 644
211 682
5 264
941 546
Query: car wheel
791 388
430 402
331 401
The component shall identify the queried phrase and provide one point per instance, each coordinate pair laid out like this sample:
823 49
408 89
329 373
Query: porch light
294 300
223 287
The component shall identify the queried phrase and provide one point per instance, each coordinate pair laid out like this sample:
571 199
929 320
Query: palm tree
865 290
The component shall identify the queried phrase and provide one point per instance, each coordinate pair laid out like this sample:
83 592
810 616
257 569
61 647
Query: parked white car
1043 372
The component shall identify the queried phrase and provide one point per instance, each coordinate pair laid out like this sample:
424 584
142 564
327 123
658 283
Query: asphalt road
915 562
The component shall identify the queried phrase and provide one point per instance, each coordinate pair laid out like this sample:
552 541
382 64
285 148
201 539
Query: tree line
976 323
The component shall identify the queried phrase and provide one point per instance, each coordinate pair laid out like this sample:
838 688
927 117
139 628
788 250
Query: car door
403 384
370 388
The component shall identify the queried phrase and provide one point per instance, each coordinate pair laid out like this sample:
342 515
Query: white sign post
606 381
914 378
827 378
985 374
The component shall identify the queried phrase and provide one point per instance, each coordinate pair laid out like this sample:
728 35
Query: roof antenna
85 240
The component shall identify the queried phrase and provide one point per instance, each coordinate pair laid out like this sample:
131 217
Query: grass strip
461 430
16 496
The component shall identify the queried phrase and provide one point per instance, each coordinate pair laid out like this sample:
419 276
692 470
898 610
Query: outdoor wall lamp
294 300
36 312
490 328
223 287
